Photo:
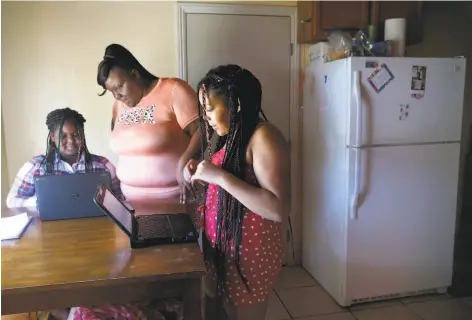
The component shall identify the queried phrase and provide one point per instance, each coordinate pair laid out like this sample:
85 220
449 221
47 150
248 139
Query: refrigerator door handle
357 183
357 163
358 98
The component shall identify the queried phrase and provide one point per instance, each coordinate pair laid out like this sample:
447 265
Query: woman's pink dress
149 140
158 310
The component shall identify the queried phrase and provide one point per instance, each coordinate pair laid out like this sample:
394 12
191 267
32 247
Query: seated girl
66 153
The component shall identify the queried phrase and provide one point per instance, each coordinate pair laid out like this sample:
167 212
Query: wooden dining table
86 262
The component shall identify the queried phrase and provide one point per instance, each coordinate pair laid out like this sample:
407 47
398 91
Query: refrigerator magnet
380 77
371 64
418 82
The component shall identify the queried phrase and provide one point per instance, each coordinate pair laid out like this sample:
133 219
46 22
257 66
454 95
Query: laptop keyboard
182 225
153 226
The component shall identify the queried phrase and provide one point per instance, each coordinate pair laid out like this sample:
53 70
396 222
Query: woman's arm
184 105
271 162
193 150
115 182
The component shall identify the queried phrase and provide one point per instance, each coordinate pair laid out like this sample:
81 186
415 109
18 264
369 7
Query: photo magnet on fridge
380 77
371 64
418 82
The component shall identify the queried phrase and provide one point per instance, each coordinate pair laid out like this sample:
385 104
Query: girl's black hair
118 56
241 92
55 120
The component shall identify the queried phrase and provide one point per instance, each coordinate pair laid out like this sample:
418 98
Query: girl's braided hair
241 92
55 120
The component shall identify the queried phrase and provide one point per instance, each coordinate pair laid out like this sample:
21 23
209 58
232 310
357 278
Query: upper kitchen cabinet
315 17
410 10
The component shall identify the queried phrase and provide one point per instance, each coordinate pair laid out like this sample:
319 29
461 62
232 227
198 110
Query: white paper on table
13 227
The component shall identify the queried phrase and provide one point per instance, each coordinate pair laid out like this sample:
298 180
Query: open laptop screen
118 210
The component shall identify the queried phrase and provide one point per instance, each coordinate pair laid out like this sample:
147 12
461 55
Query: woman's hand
184 176
189 170
207 172
184 183
193 151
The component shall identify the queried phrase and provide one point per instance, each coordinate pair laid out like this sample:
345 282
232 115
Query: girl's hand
208 172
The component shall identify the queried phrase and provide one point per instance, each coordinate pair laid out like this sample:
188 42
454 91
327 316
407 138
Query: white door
260 44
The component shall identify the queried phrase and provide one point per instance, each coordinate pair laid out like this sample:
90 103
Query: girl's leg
210 308
209 285
60 314
247 312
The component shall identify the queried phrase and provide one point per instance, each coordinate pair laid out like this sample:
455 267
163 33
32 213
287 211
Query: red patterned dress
155 310
261 248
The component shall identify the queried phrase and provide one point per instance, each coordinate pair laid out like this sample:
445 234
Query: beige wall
5 181
50 52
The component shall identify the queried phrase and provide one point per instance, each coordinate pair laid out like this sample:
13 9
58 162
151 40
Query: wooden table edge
107 292
104 282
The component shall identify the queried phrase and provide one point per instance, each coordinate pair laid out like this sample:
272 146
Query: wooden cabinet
410 10
317 17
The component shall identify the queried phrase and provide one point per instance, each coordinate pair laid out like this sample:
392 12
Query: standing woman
154 127
155 132
247 196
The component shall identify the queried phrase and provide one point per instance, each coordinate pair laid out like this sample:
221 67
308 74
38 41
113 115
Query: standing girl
247 195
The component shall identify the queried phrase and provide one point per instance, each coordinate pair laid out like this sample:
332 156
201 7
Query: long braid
240 89
50 153
58 154
84 149
55 120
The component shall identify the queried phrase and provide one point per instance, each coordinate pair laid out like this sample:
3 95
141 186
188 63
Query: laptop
146 230
70 196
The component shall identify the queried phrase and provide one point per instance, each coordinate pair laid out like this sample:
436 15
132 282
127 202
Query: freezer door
416 101
401 233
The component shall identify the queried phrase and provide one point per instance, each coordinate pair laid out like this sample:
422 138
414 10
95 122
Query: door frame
293 255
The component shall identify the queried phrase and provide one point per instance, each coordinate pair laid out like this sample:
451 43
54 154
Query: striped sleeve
23 191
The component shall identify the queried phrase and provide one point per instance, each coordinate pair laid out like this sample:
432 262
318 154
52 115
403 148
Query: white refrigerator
381 149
